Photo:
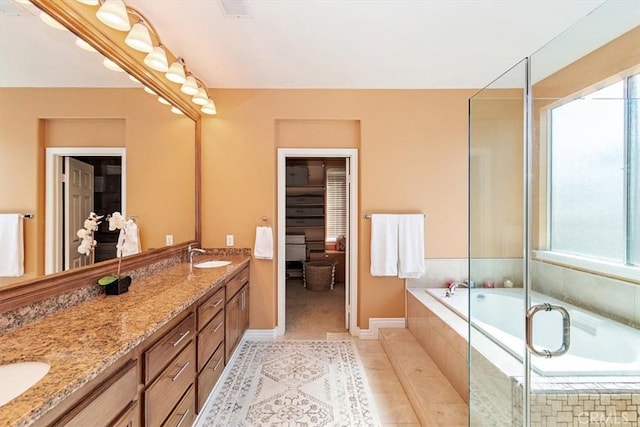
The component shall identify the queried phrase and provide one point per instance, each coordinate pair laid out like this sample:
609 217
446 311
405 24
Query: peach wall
412 152
160 157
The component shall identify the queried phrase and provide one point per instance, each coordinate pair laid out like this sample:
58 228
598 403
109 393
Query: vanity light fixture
190 86
84 45
176 110
161 100
176 72
157 59
201 98
51 22
209 108
113 13
139 38
112 65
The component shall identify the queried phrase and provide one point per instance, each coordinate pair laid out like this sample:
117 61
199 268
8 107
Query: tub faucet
454 286
190 252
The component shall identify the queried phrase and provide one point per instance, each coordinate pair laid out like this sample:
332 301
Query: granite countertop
83 341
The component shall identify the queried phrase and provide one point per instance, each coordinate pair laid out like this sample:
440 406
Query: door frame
351 262
53 196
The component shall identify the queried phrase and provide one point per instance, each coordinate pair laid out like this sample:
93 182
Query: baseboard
260 334
383 322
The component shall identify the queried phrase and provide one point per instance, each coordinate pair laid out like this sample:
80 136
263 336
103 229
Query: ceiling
375 44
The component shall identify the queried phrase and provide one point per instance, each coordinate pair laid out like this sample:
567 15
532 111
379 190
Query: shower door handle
566 330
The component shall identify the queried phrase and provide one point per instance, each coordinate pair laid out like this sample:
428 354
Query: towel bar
368 215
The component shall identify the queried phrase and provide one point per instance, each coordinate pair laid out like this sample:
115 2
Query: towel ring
264 219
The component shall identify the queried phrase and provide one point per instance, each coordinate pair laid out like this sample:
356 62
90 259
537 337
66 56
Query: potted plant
113 284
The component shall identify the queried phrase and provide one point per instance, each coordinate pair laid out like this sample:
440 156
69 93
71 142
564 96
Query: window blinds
336 203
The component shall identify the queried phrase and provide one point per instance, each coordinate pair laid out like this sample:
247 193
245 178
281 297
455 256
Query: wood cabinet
167 379
110 403
336 257
211 326
236 311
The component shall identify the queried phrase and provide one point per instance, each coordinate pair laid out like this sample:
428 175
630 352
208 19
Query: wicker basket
318 275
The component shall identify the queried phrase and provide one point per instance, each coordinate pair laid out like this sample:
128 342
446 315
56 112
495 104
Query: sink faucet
190 252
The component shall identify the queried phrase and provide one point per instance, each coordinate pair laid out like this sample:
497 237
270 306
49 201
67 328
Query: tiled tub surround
439 271
24 315
83 341
616 299
496 377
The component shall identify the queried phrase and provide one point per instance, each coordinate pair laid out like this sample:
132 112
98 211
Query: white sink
16 378
212 264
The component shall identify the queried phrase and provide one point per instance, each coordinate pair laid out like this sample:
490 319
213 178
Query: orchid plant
87 242
117 221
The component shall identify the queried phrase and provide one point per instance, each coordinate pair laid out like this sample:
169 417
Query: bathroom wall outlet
229 239
168 239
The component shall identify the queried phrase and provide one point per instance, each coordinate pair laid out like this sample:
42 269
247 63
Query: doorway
309 237
78 181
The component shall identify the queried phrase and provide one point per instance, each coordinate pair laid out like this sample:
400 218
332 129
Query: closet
309 216
305 211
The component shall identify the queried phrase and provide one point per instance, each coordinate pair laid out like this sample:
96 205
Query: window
336 203
595 175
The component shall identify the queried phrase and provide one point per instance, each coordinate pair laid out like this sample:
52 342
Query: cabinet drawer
210 338
234 285
161 353
304 200
131 417
211 307
304 222
185 413
163 395
110 398
305 211
209 376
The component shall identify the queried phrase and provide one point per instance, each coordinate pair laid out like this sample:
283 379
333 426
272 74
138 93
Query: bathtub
599 346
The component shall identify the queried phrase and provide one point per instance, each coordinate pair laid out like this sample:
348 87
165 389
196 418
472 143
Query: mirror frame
80 20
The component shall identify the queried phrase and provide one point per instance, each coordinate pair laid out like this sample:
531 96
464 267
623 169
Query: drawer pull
180 338
217 303
217 364
217 327
175 377
182 418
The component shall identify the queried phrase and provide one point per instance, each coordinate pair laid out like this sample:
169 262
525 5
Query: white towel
263 248
11 245
411 246
128 239
384 245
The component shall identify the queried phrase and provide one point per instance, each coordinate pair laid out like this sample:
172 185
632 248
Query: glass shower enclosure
554 232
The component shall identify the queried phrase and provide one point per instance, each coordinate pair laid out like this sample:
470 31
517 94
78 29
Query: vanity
148 357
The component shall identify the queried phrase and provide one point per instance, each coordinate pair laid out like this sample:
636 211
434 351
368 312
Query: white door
78 204
347 300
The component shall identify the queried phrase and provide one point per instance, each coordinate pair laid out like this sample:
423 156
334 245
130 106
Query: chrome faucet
190 252
453 286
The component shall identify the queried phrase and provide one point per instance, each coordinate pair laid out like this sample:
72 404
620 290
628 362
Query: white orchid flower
116 221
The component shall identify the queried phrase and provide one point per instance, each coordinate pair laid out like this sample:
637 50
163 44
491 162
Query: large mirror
59 101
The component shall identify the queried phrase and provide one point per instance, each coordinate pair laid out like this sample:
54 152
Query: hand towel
11 245
128 239
384 245
410 246
263 248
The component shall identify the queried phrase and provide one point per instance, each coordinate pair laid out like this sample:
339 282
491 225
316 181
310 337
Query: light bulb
201 97
113 13
157 59
139 38
190 86
176 73
209 108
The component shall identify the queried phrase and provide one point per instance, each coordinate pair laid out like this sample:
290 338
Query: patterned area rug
292 383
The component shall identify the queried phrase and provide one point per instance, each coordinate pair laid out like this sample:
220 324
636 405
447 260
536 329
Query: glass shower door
496 227
554 232
585 221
